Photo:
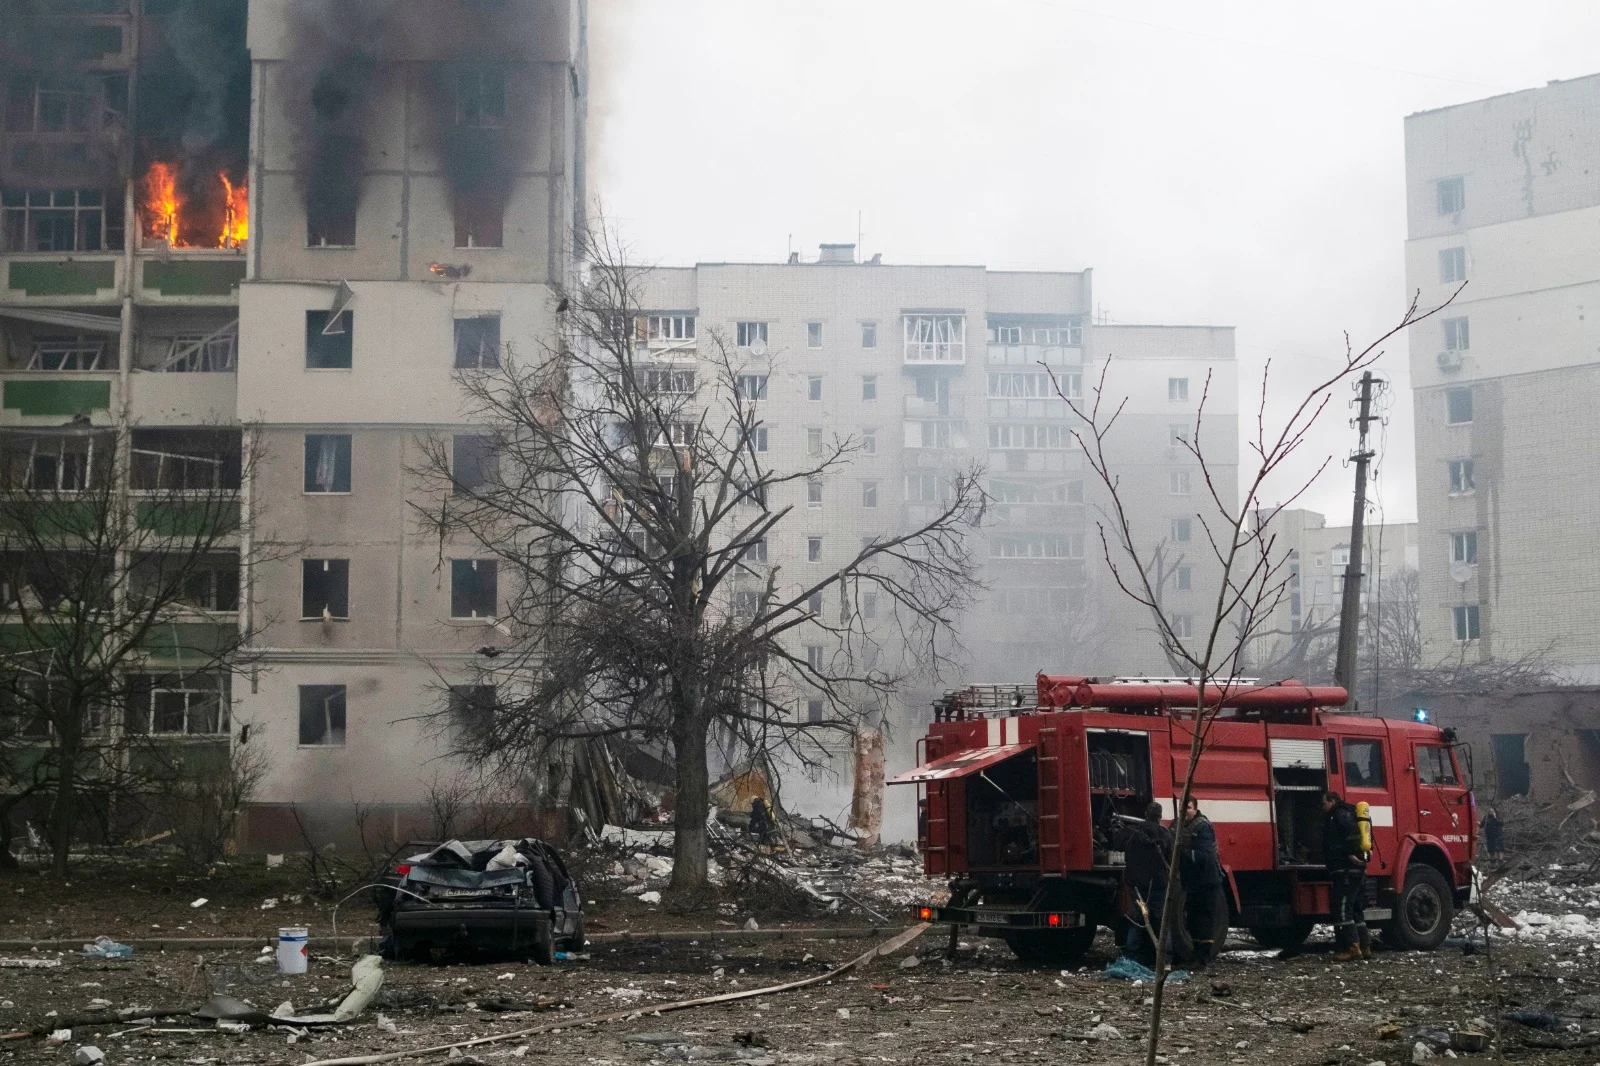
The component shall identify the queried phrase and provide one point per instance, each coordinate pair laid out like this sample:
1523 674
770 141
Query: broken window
205 582
479 219
472 710
935 338
1457 338
814 549
1363 764
814 387
474 463
813 334
322 714
757 436
752 386
185 460
1513 775
329 347
59 220
324 588
331 222
69 352
196 705
37 103
327 462
749 334
1458 406
671 382
481 98
55 462
477 342
1005 335
474 588
199 353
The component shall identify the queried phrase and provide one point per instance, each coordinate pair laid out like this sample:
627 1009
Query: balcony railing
1031 355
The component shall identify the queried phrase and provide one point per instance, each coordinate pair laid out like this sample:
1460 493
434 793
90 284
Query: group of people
1148 846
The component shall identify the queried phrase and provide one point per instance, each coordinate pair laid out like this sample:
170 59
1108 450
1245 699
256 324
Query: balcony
949 407
1031 355
51 397
205 277
935 339
88 278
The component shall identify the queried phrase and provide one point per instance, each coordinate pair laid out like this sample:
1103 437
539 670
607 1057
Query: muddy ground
984 1006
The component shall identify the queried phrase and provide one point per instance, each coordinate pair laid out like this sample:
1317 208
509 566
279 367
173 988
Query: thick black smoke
344 63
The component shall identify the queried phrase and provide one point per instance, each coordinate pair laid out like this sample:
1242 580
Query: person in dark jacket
1201 871
1346 863
1147 849
1494 834
760 821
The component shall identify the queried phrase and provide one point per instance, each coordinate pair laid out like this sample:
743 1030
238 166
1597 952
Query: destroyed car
482 897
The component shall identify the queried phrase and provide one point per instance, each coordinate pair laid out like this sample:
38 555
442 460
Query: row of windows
1036 546
324 712
328 461
920 329
156 705
325 588
1070 335
1034 386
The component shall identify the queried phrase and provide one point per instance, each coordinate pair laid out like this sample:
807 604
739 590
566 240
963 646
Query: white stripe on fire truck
1237 811
994 732
1382 816
1013 730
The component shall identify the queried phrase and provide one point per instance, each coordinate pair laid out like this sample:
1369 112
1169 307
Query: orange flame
162 208
236 214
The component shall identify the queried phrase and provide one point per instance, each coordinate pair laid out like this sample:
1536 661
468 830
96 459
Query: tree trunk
8 861
64 812
690 730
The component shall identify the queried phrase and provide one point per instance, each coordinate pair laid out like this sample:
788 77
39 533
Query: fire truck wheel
1052 948
1282 937
1424 910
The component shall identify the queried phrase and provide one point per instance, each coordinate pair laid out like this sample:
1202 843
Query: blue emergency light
1420 714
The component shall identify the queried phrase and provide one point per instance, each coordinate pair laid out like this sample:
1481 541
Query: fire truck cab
1020 790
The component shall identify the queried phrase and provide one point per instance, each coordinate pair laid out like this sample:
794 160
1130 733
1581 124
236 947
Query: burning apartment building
282 227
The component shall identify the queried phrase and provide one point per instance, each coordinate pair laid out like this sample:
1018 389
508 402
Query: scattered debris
106 948
29 964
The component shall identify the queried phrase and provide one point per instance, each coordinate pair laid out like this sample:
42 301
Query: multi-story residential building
1315 555
1501 199
413 185
930 370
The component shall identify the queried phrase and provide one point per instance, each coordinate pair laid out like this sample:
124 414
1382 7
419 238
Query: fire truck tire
1282 937
1423 911
1052 948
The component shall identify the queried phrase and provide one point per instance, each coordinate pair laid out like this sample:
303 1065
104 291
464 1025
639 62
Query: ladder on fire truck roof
1135 694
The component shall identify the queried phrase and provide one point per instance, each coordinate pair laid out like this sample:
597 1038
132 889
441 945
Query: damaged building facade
1501 197
928 370
283 228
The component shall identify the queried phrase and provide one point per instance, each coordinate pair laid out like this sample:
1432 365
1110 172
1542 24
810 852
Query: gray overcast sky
1230 162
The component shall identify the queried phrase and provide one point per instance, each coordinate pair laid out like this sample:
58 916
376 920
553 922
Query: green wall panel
57 397
61 278
202 278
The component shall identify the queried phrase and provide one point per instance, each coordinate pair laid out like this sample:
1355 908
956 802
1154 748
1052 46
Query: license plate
463 893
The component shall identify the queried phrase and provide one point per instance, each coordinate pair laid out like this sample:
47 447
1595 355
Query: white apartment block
1315 556
1501 196
929 370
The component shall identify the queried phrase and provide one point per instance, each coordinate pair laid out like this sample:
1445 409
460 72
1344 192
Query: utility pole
1344 671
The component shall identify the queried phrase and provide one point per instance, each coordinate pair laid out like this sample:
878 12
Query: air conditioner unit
1449 360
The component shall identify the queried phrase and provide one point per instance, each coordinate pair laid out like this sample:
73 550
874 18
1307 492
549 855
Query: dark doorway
1512 774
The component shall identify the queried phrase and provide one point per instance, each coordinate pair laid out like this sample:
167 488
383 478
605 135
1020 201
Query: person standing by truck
1346 863
1201 871
1147 850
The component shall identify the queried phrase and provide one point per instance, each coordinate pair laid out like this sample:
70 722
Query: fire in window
474 588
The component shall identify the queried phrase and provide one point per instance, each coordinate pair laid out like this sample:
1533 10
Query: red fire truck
1021 788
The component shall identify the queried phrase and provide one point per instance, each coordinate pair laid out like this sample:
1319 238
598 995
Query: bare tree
1252 576
620 482
119 579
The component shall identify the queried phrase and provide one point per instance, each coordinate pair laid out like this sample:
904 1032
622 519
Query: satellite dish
758 347
1460 573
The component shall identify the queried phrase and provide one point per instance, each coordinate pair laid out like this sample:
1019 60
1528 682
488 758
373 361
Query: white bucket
294 943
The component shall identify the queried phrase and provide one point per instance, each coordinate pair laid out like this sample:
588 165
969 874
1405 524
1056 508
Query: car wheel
1283 937
1047 947
1423 911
